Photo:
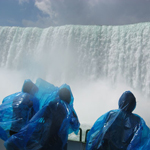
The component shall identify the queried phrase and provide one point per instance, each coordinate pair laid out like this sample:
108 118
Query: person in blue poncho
17 109
119 129
24 106
49 128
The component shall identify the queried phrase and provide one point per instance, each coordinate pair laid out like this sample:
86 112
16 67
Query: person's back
24 105
118 127
17 109
52 139
59 111
121 131
22 112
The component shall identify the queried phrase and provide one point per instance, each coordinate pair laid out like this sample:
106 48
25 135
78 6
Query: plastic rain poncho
15 112
50 126
119 129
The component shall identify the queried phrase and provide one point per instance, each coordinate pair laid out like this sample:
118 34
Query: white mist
98 62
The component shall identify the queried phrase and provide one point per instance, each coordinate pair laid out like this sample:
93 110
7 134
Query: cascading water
98 62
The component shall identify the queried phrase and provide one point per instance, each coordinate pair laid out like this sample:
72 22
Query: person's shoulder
55 104
138 118
136 115
112 112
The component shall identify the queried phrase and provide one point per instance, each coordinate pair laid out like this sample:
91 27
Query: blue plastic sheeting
50 126
15 112
120 129
48 92
29 87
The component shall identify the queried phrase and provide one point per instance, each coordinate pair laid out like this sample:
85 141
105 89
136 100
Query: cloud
89 12
62 12
98 12
44 6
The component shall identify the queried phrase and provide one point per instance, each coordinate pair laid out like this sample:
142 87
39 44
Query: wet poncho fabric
48 92
50 126
15 112
119 129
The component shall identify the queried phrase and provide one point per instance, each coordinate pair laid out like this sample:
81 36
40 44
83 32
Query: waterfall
77 54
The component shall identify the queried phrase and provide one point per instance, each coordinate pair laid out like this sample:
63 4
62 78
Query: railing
81 136
77 143
86 134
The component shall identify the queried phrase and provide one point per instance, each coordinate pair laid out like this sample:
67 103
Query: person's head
65 95
127 102
29 87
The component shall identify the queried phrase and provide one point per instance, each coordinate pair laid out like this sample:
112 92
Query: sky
45 13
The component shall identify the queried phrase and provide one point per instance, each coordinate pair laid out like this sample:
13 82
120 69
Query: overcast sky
45 13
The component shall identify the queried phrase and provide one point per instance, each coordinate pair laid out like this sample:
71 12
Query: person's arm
141 139
95 132
74 122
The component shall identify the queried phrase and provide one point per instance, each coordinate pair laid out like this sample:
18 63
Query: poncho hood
127 102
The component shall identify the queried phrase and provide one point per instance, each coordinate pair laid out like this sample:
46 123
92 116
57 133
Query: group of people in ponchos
41 117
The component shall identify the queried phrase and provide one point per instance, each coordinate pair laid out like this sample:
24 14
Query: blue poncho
50 126
119 129
15 112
